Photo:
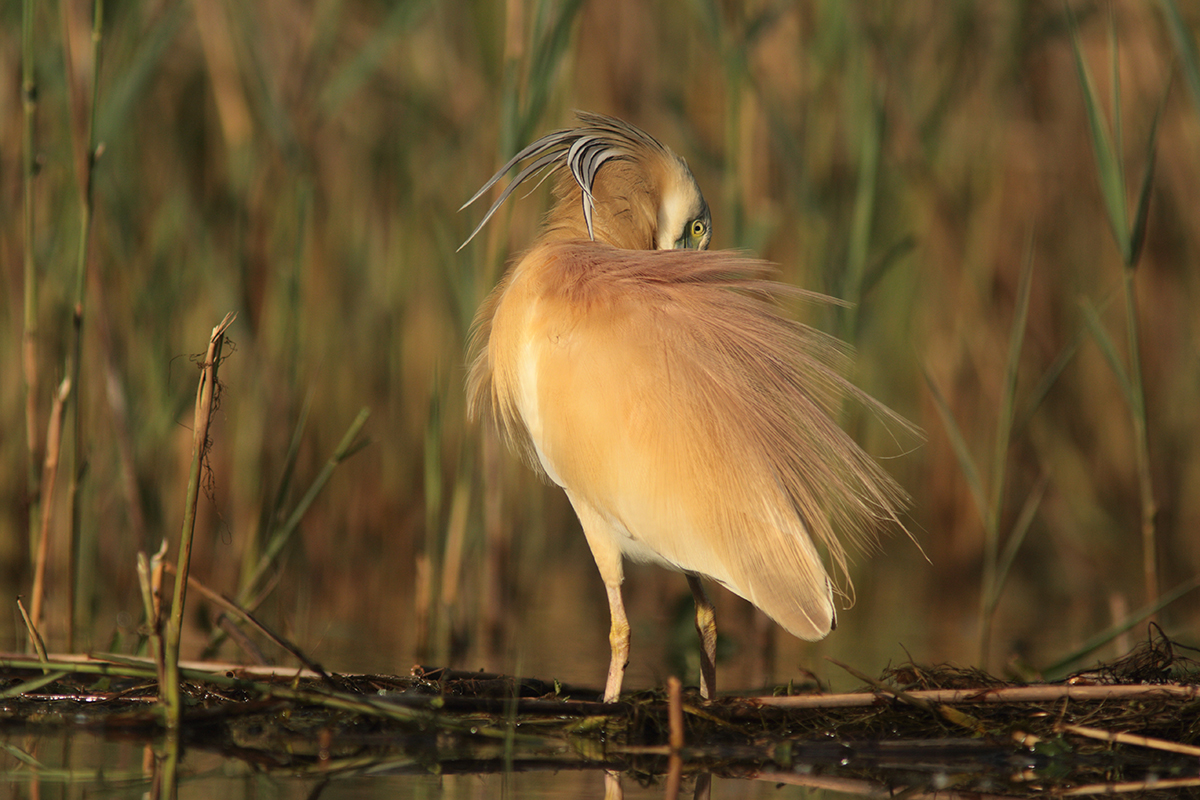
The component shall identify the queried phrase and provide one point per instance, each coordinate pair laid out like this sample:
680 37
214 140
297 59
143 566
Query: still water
68 763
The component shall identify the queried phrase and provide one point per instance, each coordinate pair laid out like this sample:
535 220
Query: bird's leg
706 626
612 786
608 561
618 639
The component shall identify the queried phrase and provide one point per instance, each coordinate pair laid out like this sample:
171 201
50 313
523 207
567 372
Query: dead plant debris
1133 722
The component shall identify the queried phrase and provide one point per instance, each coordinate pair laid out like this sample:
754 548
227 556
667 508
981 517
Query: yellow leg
618 639
706 626
608 560
612 786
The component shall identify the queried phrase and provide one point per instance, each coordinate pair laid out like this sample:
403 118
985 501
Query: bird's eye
697 228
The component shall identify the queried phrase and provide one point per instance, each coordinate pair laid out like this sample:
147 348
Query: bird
690 420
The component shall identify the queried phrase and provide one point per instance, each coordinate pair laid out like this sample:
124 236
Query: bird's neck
624 219
562 225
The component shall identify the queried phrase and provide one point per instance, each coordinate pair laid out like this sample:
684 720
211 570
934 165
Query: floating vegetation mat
1129 726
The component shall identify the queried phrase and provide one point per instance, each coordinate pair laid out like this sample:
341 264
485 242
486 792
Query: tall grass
29 279
990 497
1129 235
912 158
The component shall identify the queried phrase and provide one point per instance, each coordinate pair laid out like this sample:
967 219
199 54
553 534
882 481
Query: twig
32 685
899 694
1130 738
35 638
150 581
103 663
233 608
1040 693
932 706
1158 785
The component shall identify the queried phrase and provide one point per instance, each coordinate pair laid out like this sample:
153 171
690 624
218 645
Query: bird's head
616 184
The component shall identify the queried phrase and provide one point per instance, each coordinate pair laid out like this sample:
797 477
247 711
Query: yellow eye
697 228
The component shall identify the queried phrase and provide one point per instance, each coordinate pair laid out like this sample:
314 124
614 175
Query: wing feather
673 395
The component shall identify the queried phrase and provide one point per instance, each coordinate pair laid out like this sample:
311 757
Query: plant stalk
206 394
1141 444
30 338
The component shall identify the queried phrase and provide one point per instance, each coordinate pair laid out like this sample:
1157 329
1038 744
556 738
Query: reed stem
85 176
1137 412
29 350
206 394
347 447
49 481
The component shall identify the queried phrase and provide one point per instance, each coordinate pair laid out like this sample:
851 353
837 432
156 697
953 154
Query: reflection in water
471 735
131 764
67 762
615 790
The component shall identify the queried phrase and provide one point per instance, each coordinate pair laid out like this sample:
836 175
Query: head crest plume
583 150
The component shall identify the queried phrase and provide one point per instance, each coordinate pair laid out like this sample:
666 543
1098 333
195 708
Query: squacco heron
691 424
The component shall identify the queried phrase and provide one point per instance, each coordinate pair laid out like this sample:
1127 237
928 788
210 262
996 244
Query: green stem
86 191
1058 670
346 448
866 189
29 351
166 773
992 580
1137 410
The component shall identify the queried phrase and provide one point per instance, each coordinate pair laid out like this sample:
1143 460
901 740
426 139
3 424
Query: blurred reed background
936 164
